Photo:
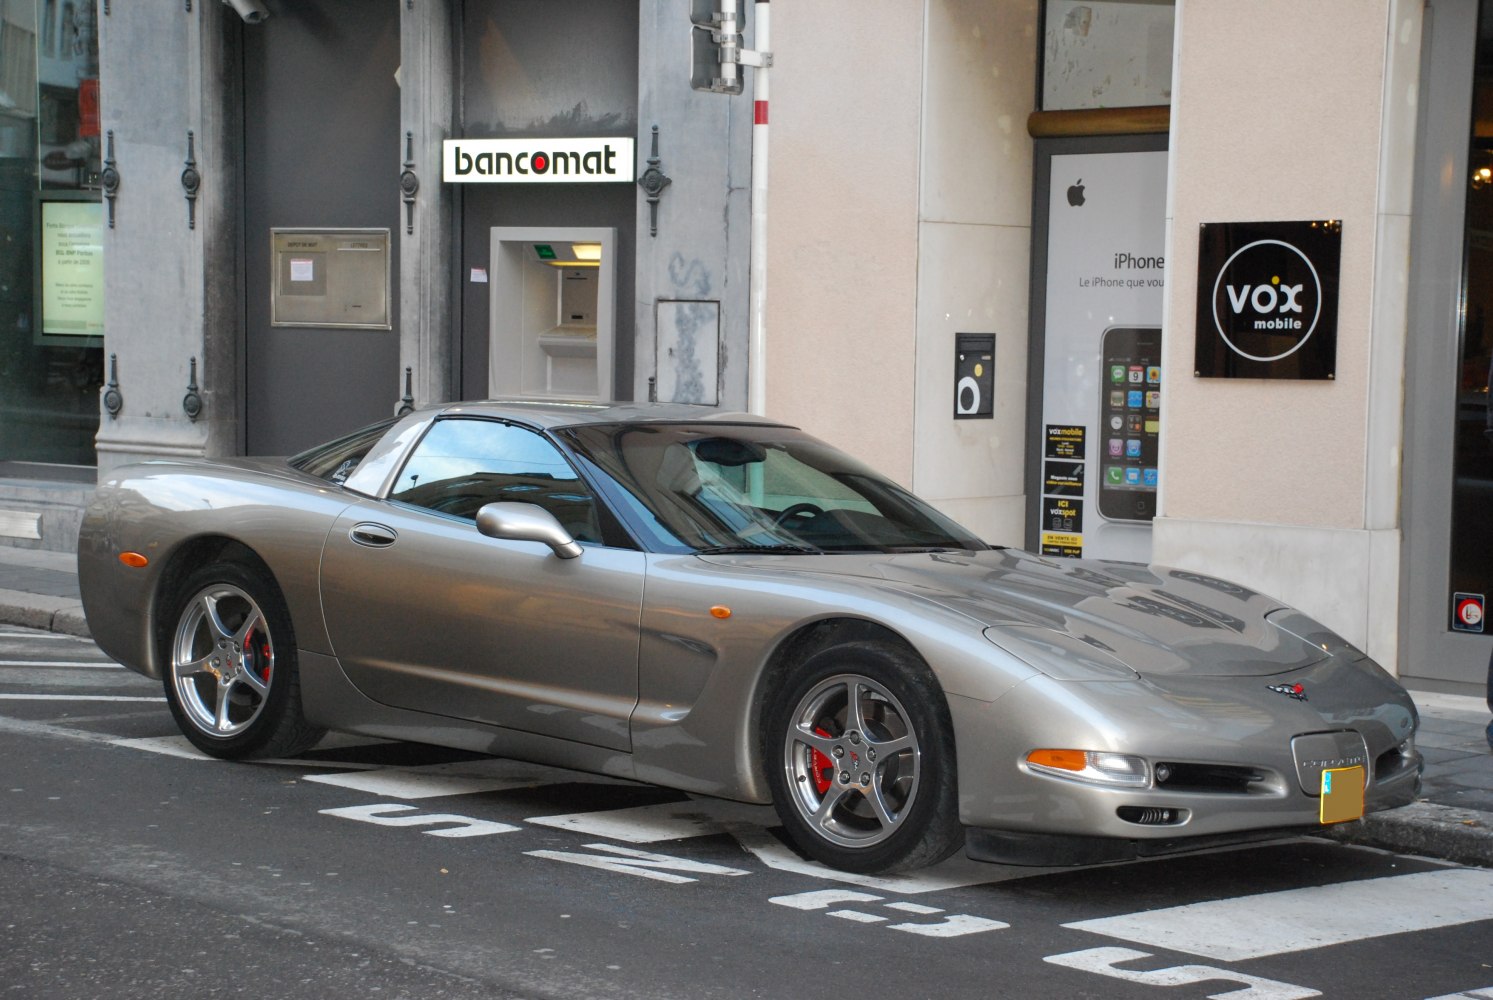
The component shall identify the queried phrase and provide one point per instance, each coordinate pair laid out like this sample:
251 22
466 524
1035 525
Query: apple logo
1075 194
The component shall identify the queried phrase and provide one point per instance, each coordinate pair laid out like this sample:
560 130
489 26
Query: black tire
888 800
229 665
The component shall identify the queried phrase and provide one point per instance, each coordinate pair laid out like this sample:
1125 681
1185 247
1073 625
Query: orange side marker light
1067 760
720 611
134 560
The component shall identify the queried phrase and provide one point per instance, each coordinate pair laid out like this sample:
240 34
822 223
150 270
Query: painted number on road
383 814
953 925
1104 960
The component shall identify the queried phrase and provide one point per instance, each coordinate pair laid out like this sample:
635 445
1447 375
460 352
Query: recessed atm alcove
552 309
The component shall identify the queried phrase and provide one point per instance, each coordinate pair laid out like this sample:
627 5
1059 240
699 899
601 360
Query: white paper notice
302 269
479 275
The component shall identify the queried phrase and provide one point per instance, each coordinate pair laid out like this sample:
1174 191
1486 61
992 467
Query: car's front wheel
231 674
860 753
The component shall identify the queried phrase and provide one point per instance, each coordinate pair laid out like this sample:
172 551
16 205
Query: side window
460 465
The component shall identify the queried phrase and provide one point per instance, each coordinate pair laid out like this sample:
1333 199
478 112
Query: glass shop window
1107 53
1471 542
51 236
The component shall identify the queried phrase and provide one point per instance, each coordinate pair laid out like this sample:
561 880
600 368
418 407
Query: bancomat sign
538 161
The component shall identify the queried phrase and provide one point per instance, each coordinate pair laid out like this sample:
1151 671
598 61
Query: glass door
1447 493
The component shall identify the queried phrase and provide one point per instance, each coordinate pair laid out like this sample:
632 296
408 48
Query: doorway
321 114
1447 489
552 312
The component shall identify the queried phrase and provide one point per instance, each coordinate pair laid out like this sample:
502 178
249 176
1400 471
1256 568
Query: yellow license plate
1342 794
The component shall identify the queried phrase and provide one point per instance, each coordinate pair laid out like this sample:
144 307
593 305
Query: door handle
373 535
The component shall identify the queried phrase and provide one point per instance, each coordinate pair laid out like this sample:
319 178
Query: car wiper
729 550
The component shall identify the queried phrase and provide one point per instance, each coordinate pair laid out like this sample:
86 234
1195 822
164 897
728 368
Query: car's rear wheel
231 675
860 753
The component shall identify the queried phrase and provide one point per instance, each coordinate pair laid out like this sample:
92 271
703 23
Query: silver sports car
725 605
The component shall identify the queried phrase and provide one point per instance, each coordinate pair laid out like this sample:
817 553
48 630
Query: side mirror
526 522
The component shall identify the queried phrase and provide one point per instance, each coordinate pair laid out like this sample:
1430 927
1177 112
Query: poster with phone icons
1102 361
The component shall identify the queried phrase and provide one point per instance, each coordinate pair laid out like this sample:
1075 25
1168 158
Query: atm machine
552 315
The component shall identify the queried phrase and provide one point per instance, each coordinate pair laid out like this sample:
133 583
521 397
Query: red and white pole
757 283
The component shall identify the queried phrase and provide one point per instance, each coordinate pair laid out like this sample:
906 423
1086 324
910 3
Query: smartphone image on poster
1130 393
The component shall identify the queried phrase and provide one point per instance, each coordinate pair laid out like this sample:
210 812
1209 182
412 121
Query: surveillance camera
252 11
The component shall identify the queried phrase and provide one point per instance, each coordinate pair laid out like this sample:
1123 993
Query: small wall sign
974 376
1467 612
1267 299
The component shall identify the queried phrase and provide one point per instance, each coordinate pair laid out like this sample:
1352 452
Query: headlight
1059 655
1098 766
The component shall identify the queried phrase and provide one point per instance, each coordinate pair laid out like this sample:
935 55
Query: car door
426 613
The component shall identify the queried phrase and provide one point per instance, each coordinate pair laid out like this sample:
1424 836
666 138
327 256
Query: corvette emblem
1295 691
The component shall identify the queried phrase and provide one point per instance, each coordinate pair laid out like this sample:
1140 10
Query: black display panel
1129 423
1267 299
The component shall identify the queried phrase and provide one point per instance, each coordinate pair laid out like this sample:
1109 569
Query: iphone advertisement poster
1103 378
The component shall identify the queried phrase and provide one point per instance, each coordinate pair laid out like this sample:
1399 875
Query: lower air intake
1150 816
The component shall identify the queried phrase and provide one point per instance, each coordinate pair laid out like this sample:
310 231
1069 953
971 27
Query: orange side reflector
1068 760
134 560
721 612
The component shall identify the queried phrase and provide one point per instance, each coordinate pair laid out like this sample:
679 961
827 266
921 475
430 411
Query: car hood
1155 620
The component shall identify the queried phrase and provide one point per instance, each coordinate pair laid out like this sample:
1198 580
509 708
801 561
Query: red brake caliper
824 768
263 656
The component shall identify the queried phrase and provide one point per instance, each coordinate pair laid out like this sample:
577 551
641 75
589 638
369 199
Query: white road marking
659 867
857 916
1102 961
955 873
820 899
1485 994
171 746
415 783
57 636
1274 923
917 908
664 821
75 697
71 664
954 925
430 781
380 815
180 746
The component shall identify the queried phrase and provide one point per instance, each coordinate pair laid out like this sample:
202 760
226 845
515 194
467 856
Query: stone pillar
428 286
171 271
1291 487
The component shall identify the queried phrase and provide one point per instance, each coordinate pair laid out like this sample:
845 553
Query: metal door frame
1433 657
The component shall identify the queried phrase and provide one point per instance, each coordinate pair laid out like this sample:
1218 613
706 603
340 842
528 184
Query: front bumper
1229 740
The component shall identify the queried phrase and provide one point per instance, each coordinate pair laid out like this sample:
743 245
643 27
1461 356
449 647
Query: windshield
721 488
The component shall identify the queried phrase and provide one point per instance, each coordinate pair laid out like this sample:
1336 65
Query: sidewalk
1453 819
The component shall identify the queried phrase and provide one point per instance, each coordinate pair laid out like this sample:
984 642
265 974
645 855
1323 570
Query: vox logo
1267 298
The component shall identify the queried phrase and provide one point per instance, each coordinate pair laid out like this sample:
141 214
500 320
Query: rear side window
335 460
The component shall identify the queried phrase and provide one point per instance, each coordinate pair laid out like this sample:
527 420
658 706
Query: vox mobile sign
537 161
1267 299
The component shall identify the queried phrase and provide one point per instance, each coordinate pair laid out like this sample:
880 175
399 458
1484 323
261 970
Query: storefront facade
950 282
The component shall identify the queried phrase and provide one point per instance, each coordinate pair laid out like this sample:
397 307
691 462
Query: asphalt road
130 866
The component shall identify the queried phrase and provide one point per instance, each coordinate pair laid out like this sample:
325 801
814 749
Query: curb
1425 828
52 614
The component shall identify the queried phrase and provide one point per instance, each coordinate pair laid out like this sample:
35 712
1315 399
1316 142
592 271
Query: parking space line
75 697
71 664
663 821
1274 923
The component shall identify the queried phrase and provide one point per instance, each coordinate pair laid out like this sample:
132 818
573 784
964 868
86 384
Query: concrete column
1290 486
171 274
427 283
